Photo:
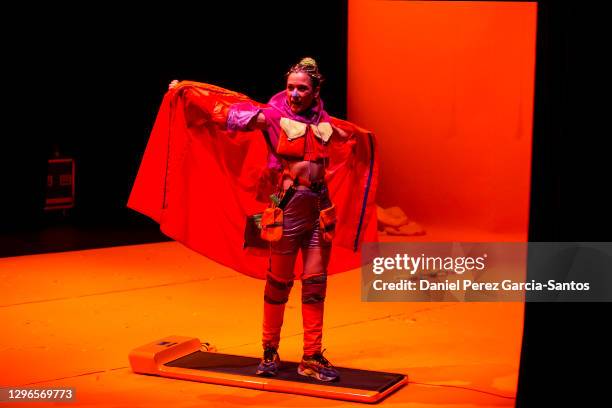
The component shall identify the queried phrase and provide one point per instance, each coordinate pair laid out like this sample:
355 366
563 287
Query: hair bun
308 66
308 61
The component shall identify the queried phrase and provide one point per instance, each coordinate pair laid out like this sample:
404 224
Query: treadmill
186 358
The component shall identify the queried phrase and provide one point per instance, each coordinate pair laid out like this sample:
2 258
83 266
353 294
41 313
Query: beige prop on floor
394 221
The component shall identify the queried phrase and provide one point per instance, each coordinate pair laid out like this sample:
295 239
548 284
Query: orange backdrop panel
448 89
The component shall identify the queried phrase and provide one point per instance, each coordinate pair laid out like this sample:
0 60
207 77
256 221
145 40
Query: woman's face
300 92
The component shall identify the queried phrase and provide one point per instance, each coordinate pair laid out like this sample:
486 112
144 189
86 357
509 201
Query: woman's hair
308 66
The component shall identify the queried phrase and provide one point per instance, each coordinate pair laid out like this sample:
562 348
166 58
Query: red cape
198 181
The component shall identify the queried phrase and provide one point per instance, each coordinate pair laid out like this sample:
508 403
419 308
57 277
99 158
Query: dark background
565 344
95 79
88 82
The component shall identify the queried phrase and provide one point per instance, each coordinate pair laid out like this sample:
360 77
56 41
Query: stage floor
70 319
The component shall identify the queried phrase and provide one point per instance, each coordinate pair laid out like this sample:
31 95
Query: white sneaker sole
311 373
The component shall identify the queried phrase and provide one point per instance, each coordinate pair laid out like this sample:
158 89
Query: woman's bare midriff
305 170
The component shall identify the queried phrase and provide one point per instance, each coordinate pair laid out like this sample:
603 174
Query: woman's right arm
242 116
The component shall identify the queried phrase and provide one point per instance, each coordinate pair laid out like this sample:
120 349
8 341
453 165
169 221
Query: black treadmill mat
246 366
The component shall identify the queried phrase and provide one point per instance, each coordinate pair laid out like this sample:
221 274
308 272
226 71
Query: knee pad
277 292
313 289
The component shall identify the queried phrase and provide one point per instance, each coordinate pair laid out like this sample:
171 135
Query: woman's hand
173 84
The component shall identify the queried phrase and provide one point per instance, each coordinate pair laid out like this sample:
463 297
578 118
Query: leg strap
276 292
314 289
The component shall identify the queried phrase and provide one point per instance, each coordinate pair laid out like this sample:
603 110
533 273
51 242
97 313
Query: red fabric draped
198 181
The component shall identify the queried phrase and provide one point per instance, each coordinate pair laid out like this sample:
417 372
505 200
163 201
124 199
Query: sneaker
269 364
318 367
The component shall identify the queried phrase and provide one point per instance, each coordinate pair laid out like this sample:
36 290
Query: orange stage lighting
448 88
